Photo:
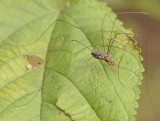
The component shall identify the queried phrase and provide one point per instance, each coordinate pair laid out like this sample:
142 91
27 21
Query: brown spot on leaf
29 67
34 61
59 113
134 44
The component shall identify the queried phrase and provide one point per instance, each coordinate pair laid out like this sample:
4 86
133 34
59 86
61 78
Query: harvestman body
98 54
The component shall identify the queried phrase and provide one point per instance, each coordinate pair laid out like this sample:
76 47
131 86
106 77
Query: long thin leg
51 51
80 30
125 34
71 41
102 30
51 26
102 27
147 88
121 60
31 98
114 23
112 40
122 53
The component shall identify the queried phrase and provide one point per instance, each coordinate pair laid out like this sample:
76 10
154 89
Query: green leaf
76 86
21 23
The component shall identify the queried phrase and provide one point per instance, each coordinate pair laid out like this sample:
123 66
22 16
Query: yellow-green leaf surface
75 86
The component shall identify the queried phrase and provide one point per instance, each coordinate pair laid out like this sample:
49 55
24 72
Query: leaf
78 86
21 23
75 85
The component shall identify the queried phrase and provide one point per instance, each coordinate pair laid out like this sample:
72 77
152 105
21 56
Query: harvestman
102 55
98 54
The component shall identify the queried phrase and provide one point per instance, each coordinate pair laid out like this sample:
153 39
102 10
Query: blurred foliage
150 6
